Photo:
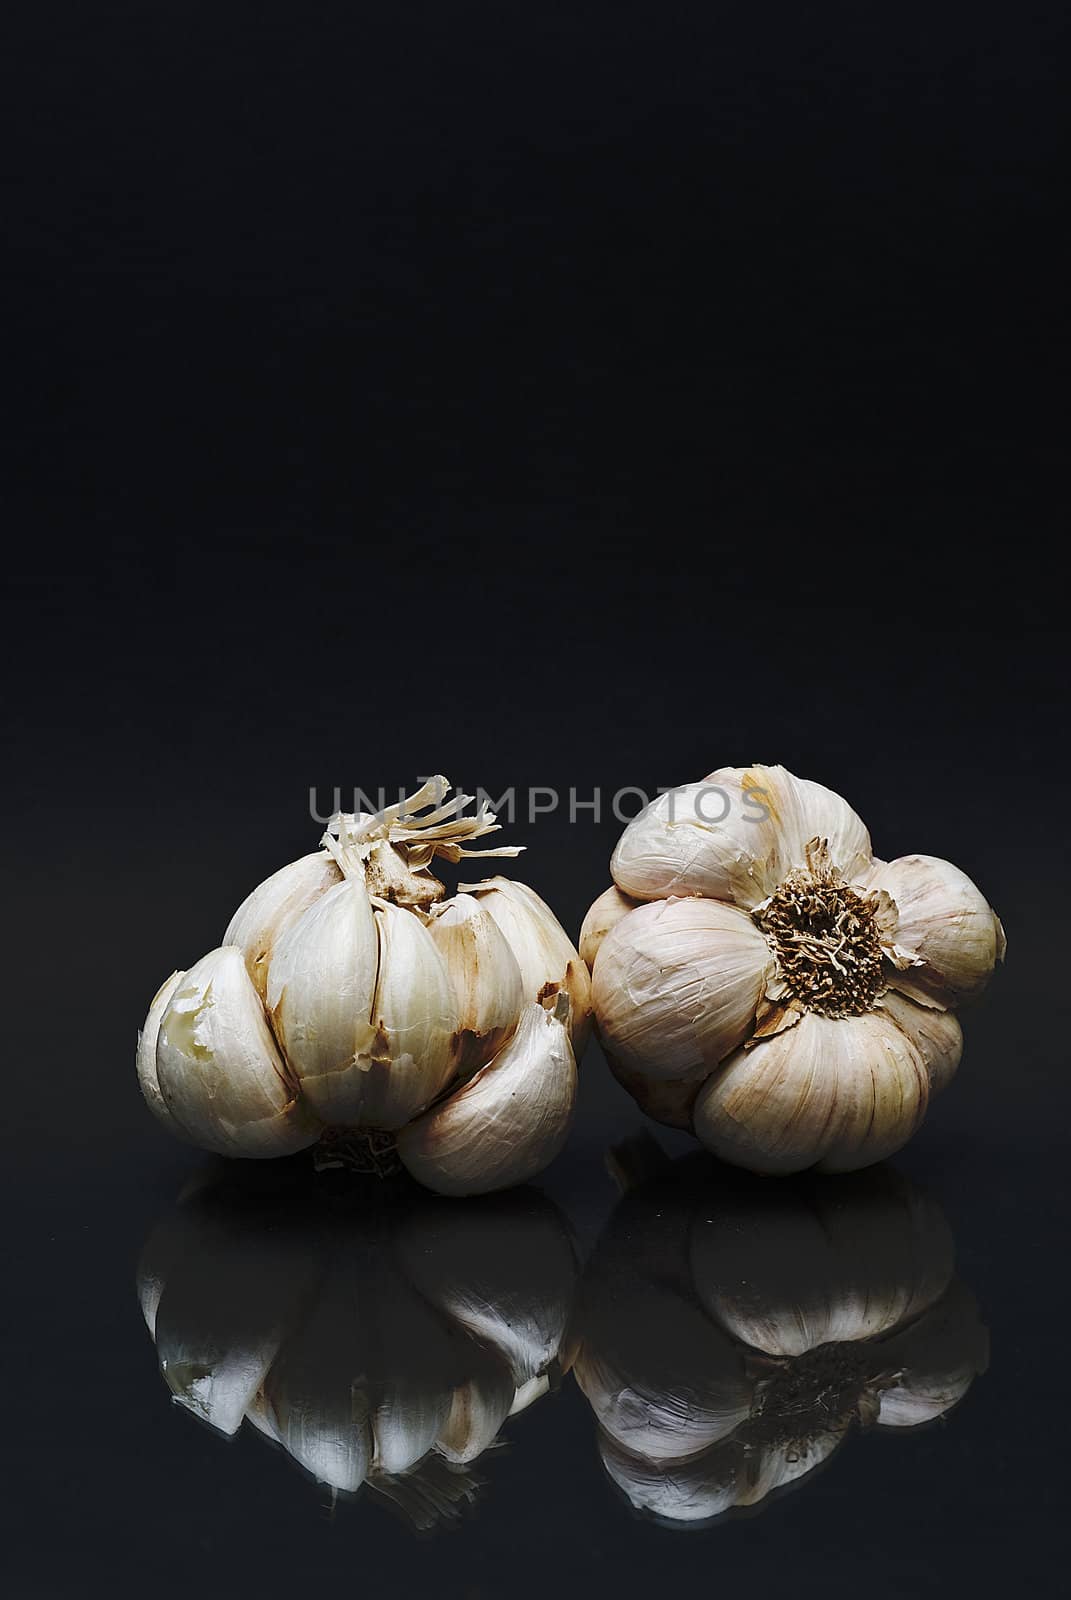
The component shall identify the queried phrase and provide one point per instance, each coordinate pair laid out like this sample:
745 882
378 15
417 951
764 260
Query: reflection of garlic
732 1334
759 977
369 1345
351 995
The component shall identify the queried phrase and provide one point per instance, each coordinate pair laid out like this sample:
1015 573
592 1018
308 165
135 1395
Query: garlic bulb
759 978
352 997
732 1335
370 1343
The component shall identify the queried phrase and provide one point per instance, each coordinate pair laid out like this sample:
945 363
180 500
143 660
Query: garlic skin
835 1094
321 987
274 906
759 977
507 1123
549 963
146 1056
734 837
503 1270
735 1333
486 978
677 984
603 915
945 927
368 1000
220 1073
411 1058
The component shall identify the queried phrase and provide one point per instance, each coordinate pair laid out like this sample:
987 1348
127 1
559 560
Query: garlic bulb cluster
731 1337
350 994
759 978
380 1347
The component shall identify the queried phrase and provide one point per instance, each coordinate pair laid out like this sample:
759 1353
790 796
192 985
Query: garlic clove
837 1093
411 1369
529 1393
226 1297
407 1421
146 1056
604 914
275 905
219 1071
677 984
548 961
669 1101
945 928
706 838
820 813
504 1125
695 1490
935 1360
733 836
485 976
411 1057
321 988
315 1397
478 1407
504 1269
662 1379
936 1035
258 1414
786 1270
732 1473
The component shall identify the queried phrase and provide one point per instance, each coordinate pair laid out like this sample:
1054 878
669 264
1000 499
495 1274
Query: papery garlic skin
603 916
945 926
321 987
486 979
219 1069
832 1094
412 1054
274 906
504 1125
776 987
478 1408
677 984
499 1270
549 963
146 1056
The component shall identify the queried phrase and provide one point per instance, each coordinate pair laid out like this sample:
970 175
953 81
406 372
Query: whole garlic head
351 996
758 977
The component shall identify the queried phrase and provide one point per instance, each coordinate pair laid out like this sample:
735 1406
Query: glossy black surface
565 397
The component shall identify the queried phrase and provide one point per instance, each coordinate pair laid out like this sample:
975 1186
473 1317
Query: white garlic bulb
758 977
352 996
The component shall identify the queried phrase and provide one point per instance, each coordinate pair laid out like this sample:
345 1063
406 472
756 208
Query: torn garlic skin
352 998
764 981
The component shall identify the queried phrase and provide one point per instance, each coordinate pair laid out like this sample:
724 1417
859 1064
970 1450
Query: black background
566 395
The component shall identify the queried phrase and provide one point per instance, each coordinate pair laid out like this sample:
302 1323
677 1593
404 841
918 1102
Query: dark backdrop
561 395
